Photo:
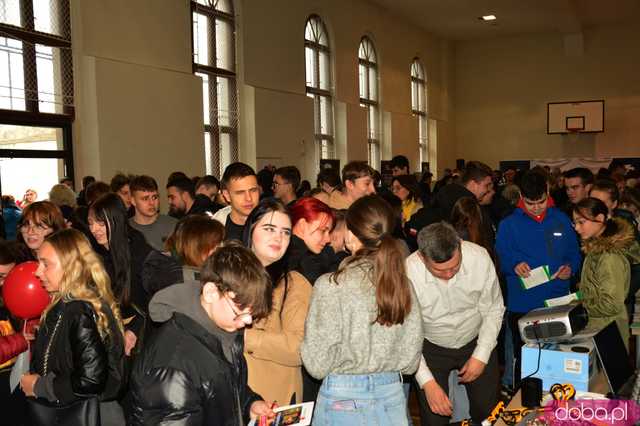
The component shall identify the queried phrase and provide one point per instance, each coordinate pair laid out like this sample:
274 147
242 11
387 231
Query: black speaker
531 392
460 163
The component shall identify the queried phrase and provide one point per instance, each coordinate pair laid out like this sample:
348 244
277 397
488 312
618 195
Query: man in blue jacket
535 234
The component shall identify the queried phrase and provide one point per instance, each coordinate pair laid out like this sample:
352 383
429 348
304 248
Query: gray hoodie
185 299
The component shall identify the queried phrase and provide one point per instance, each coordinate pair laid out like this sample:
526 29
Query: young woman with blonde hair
77 357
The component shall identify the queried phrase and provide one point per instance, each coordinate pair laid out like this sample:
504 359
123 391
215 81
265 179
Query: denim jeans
361 400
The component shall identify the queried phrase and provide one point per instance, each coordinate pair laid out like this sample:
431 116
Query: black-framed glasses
245 317
35 227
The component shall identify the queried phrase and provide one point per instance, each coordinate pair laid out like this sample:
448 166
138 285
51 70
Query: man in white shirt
462 309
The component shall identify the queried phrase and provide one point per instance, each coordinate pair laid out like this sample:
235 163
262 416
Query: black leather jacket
83 364
182 377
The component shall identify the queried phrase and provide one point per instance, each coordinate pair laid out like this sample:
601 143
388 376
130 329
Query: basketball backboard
568 117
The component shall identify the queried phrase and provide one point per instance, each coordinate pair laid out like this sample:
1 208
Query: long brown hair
466 218
371 220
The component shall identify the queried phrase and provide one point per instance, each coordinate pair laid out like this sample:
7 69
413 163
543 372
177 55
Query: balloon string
24 332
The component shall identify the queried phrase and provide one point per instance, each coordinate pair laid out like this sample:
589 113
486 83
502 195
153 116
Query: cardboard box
573 363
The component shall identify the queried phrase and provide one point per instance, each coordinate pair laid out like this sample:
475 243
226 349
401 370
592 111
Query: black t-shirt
232 230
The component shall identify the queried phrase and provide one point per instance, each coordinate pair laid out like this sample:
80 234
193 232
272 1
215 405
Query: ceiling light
488 18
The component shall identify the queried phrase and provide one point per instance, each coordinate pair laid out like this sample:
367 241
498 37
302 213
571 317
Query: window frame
214 129
31 115
419 81
370 102
323 141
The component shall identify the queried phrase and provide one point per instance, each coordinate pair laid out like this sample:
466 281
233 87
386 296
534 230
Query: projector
554 324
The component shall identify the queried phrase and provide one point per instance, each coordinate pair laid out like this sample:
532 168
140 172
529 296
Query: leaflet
563 300
537 276
289 415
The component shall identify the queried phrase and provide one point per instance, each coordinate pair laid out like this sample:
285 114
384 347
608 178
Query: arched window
214 61
318 84
368 78
419 107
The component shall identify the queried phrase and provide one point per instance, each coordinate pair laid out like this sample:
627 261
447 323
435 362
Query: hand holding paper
536 277
522 269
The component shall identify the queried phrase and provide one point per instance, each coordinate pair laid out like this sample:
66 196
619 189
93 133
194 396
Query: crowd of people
257 291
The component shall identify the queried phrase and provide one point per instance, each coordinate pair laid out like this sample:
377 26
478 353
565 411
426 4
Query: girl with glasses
39 219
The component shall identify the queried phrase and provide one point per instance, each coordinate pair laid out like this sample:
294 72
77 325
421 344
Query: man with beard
183 201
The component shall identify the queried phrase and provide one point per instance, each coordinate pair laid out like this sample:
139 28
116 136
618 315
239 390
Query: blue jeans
353 400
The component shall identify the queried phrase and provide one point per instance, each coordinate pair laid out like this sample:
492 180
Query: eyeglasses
245 317
276 184
35 227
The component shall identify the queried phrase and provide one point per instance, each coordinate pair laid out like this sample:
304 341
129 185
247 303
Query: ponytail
393 294
371 219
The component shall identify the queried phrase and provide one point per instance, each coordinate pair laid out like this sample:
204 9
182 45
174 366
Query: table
600 385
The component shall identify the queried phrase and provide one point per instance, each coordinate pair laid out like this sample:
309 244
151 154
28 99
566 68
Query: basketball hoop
573 133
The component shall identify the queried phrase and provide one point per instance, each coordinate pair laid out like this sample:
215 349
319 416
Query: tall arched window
368 78
419 107
214 61
318 84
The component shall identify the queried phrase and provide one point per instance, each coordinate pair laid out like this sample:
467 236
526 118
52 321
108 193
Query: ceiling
458 19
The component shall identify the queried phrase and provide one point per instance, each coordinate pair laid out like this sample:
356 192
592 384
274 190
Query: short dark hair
233 268
175 175
475 171
95 190
400 161
438 242
183 185
87 180
330 177
143 183
585 175
356 169
208 180
291 174
234 171
609 186
118 181
533 185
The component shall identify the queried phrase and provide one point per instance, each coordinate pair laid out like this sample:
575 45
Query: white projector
554 324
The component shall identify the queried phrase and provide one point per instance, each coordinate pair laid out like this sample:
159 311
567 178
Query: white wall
503 86
138 105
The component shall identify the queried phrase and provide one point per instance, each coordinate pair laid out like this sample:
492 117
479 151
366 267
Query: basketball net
572 136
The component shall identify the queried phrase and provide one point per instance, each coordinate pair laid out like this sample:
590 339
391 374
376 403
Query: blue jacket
12 215
552 242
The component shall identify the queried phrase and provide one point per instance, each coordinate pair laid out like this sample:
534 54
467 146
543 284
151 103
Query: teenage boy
240 189
147 219
536 234
357 178
192 370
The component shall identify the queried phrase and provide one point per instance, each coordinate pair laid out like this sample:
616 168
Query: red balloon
23 293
